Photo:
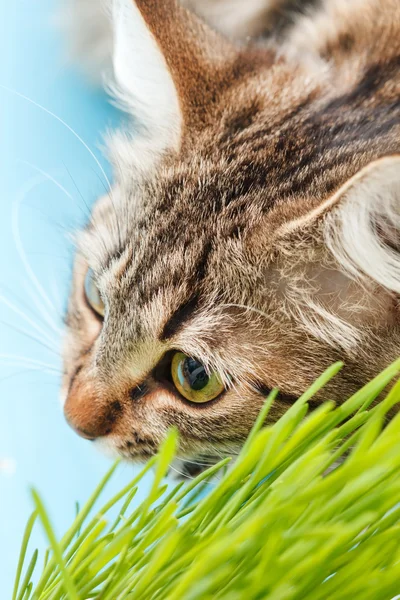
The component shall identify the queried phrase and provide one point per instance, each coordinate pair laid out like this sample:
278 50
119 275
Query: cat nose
89 417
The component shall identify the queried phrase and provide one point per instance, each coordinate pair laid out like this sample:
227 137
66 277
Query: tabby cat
251 237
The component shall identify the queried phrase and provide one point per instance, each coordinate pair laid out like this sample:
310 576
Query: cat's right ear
168 68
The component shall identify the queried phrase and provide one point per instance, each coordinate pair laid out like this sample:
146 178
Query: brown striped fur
217 248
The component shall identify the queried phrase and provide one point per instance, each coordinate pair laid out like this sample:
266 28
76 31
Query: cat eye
193 381
93 295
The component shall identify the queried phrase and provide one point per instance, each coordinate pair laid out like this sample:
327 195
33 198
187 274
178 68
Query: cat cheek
109 447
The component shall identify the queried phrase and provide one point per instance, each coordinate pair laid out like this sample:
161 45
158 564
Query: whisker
45 218
198 463
61 256
49 177
26 318
27 370
18 242
30 336
27 360
184 475
87 207
58 302
117 220
31 367
217 451
74 133
11 294
36 301
78 190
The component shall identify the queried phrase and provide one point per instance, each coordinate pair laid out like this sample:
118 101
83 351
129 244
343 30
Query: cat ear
362 226
167 66
361 223
341 293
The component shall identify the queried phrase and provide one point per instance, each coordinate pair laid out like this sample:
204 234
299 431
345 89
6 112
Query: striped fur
259 234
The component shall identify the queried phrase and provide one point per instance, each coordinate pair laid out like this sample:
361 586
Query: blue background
39 157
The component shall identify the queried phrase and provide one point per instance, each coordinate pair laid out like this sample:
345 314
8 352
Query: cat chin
181 468
107 446
114 448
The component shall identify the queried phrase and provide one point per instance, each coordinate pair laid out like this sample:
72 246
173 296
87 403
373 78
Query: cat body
254 221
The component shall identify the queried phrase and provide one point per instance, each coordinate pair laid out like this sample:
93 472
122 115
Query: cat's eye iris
193 381
93 295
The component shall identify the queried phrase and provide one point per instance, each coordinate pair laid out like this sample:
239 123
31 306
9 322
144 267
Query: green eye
192 380
93 295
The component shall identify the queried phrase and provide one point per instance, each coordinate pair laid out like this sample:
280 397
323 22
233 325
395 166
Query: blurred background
49 179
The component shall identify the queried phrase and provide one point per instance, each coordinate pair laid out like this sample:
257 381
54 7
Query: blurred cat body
254 220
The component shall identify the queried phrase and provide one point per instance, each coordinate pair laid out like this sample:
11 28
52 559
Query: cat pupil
195 374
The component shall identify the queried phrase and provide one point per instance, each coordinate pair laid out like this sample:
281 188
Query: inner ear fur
195 55
338 265
167 57
362 224
376 186
202 62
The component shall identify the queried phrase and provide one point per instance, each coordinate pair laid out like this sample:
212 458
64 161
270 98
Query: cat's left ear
361 223
169 67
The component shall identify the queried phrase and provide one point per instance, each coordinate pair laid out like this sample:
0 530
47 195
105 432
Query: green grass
274 525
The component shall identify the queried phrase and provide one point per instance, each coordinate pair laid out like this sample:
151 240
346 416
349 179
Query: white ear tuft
363 229
143 85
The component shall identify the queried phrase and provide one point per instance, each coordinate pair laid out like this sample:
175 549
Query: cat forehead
168 222
278 131
256 161
260 154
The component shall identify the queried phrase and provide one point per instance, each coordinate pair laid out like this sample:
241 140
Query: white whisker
31 337
21 251
184 475
26 370
22 361
217 451
74 133
58 302
26 359
26 318
10 294
199 463
39 306
47 175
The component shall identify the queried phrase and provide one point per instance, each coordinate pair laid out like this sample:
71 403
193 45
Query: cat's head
249 241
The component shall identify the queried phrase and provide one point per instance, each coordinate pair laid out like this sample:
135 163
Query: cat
251 237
